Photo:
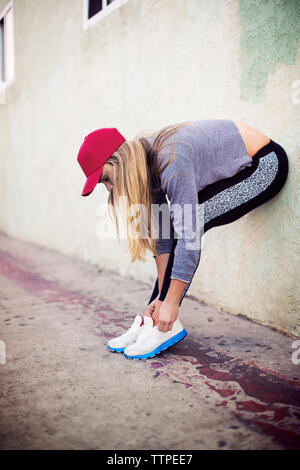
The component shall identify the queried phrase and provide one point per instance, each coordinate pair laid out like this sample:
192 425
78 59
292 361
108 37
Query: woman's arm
161 265
168 311
175 291
165 312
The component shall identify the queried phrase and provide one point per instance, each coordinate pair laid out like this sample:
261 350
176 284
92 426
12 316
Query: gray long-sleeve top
207 152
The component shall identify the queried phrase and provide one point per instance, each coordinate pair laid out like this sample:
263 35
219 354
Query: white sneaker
121 342
151 341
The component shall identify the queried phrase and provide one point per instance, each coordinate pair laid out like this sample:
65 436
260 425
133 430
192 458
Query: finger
163 327
150 310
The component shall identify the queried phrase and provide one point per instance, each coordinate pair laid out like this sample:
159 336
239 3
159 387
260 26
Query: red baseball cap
96 148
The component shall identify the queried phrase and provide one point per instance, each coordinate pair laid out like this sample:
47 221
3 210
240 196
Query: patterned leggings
229 199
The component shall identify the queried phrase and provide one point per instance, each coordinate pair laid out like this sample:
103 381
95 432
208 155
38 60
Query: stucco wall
149 64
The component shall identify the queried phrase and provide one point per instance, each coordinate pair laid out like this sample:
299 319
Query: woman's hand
153 308
167 315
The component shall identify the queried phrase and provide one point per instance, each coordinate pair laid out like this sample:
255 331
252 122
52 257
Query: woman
212 171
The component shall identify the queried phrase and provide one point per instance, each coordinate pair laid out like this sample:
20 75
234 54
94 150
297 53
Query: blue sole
116 349
161 347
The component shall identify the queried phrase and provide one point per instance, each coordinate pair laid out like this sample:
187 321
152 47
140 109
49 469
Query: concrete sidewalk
230 384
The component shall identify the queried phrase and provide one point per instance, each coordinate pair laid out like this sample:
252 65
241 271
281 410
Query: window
95 10
94 7
7 59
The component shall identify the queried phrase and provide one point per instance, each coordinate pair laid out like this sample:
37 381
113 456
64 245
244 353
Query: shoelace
145 332
134 328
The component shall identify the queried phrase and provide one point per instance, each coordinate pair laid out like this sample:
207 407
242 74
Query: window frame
11 79
107 10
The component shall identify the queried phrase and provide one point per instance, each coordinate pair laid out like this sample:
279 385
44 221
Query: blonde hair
137 166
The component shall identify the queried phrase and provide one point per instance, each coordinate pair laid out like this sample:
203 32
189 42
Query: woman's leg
161 264
154 292
229 199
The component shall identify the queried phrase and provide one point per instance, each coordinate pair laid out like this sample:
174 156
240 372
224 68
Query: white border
88 23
